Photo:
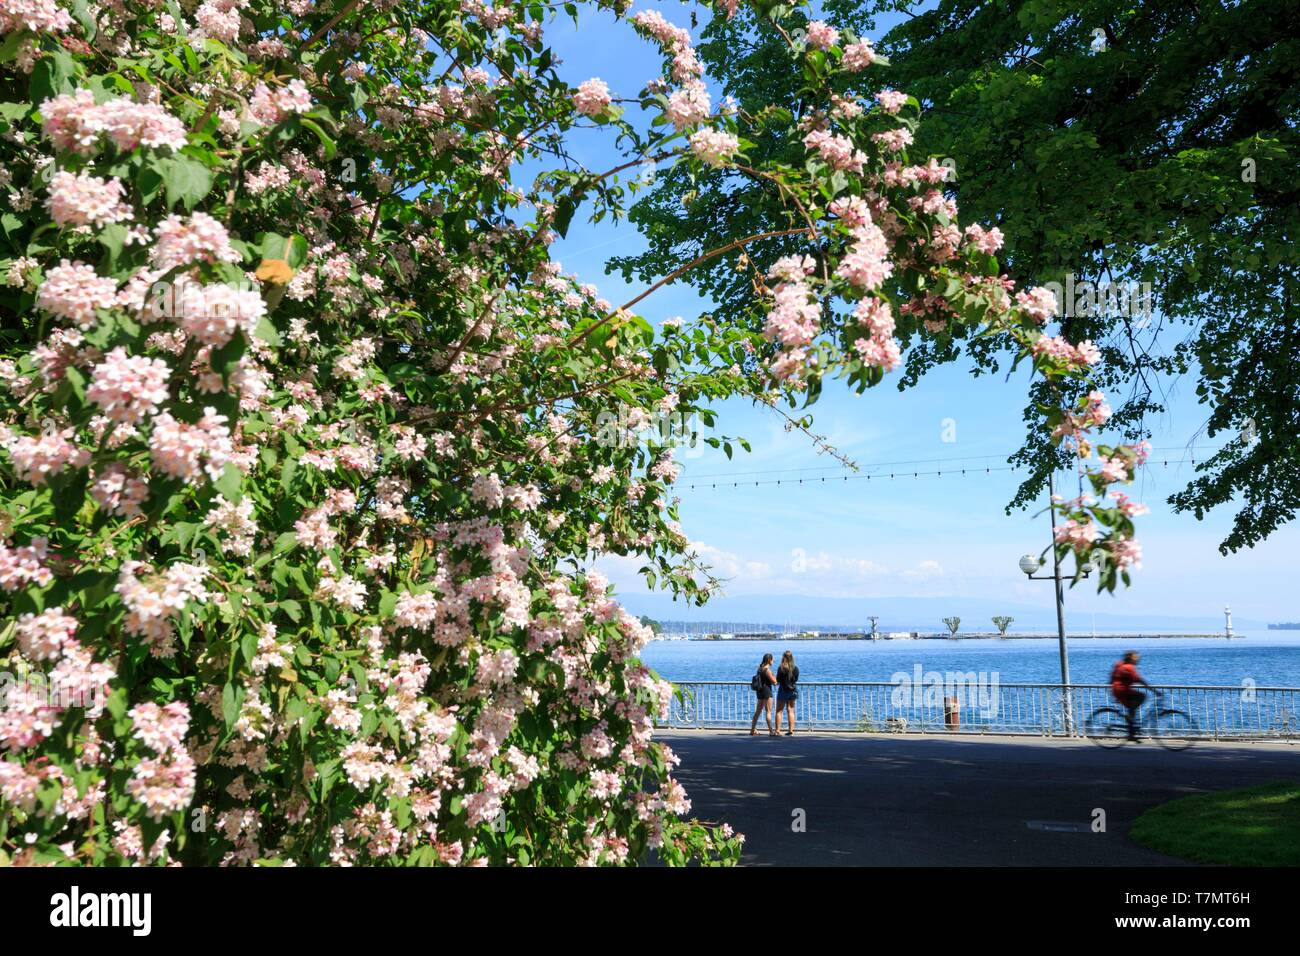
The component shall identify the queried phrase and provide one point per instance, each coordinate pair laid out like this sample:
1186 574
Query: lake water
1269 658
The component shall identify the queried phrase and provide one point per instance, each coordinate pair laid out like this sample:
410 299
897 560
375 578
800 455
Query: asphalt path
910 800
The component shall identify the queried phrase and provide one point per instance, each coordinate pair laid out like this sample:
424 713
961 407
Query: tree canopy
1113 144
305 439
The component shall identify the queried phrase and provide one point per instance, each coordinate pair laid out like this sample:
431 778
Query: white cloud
926 569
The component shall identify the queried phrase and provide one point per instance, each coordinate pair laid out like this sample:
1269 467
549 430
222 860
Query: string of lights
734 479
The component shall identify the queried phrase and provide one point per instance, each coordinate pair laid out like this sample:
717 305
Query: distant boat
1288 626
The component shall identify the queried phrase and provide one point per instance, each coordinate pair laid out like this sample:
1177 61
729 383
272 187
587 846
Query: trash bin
951 713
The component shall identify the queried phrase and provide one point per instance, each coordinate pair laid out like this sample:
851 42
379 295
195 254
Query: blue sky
940 537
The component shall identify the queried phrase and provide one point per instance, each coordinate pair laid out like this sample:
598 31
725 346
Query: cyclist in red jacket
1123 676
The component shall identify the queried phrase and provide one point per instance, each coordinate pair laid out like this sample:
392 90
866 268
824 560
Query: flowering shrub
298 418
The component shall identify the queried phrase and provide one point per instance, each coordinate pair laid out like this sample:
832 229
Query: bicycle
1169 727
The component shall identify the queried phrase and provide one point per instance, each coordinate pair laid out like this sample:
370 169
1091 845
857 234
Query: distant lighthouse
1227 618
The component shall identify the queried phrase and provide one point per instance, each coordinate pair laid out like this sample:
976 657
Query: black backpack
757 683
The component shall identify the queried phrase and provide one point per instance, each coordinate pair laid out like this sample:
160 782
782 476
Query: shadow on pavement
873 800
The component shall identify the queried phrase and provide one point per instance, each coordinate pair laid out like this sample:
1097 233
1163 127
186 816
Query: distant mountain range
907 614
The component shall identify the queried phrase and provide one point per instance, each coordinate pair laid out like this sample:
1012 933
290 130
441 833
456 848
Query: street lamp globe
1030 563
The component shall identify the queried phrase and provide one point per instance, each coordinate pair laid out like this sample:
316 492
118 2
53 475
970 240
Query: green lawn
1255 827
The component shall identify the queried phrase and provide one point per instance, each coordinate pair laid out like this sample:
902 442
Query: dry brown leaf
275 270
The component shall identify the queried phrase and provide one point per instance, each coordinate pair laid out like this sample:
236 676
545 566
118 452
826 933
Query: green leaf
81 13
232 698
292 249
325 140
231 483
9 48
248 647
187 181
113 237
226 358
268 333
564 210
52 76
13 111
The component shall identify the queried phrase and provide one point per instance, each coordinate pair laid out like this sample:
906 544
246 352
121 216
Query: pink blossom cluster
821 35
674 40
665 469
934 202
1058 349
408 444
220 19
128 388
838 151
1079 535
35 460
486 490
235 523
792 268
1095 412
1123 464
858 56
21 567
894 140
891 101
187 451
1125 552
73 291
343 589
32 711
689 106
524 497
213 313
497 667
416 611
591 98
795 317
866 264
118 490
266 177
269 106
713 146
183 242
163 784
18 786
74 121
1115 468
852 210
152 600
1039 303
1125 504
42 637
988 241
36 16
878 347
83 199
160 728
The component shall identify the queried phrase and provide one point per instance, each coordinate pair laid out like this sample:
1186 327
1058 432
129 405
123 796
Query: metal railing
976 706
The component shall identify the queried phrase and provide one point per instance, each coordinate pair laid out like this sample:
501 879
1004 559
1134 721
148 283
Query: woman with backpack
762 684
787 677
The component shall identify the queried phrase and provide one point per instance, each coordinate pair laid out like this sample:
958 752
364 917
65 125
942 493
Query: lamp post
1029 564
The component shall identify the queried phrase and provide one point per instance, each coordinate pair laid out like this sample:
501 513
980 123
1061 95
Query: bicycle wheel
1107 727
1174 730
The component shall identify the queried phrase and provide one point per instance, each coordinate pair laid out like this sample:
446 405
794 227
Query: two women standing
785 680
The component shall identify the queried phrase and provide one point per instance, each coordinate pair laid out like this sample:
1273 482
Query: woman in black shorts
766 681
787 677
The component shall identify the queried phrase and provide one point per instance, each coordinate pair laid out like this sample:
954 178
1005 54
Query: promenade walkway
885 800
